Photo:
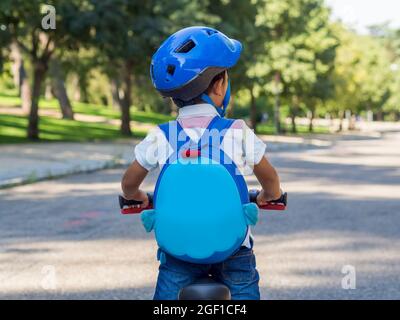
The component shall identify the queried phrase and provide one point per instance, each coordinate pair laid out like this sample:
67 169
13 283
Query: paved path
21 163
35 161
344 211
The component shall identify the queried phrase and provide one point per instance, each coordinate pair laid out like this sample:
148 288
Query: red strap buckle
190 153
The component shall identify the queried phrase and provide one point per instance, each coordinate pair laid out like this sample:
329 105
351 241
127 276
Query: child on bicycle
191 67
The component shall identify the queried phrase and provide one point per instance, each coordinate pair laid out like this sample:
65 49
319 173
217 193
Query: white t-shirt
240 143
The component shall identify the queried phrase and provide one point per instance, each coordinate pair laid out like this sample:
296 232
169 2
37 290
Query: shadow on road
85 206
144 293
340 212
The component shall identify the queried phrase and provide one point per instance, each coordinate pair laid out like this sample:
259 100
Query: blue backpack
201 203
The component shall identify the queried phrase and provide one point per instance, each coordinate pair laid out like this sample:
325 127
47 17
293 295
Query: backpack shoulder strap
175 134
222 123
218 126
164 127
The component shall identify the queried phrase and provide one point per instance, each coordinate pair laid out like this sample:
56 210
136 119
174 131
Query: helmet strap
221 110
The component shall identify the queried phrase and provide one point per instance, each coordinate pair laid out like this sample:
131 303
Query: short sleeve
150 149
253 147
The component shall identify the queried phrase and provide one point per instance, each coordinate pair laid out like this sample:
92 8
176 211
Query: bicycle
204 288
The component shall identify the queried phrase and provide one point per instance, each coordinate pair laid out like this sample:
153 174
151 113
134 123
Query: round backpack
201 203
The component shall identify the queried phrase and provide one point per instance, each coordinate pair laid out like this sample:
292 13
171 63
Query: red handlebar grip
132 210
273 206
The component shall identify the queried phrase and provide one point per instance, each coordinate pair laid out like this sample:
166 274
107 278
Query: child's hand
263 198
131 181
139 196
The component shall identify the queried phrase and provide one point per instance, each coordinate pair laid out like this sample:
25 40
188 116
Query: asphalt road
64 239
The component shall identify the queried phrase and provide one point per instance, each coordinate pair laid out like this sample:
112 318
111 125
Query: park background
302 69
319 86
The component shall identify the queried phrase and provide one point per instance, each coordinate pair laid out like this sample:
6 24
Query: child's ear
218 87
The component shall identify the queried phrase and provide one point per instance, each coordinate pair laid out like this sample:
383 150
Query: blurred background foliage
296 63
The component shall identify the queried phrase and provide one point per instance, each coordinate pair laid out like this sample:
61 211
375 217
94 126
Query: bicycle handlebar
277 204
128 206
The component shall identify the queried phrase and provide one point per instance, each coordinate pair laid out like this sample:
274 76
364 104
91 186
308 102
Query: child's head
191 67
217 88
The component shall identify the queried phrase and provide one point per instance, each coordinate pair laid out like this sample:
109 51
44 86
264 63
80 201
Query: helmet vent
210 32
186 47
171 69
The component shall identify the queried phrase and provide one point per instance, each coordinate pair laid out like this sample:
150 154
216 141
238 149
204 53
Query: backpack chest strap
212 137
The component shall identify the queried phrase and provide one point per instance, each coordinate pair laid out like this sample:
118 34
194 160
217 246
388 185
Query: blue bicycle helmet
185 64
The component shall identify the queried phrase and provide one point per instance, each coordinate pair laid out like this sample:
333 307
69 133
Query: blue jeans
238 273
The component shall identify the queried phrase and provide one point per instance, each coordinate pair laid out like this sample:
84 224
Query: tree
127 33
79 64
21 81
390 40
324 44
11 49
242 27
5 41
299 51
362 75
58 88
27 24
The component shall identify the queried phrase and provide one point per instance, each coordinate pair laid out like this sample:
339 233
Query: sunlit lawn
90 109
13 130
13 127
112 113
301 129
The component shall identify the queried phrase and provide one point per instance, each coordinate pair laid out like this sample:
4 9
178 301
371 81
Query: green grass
9 101
265 129
90 109
301 129
13 130
111 113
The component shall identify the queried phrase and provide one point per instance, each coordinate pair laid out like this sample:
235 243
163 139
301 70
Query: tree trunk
277 116
39 71
16 58
126 100
83 88
293 119
60 91
20 78
293 112
116 100
253 110
380 115
312 115
25 91
341 116
125 118
63 100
